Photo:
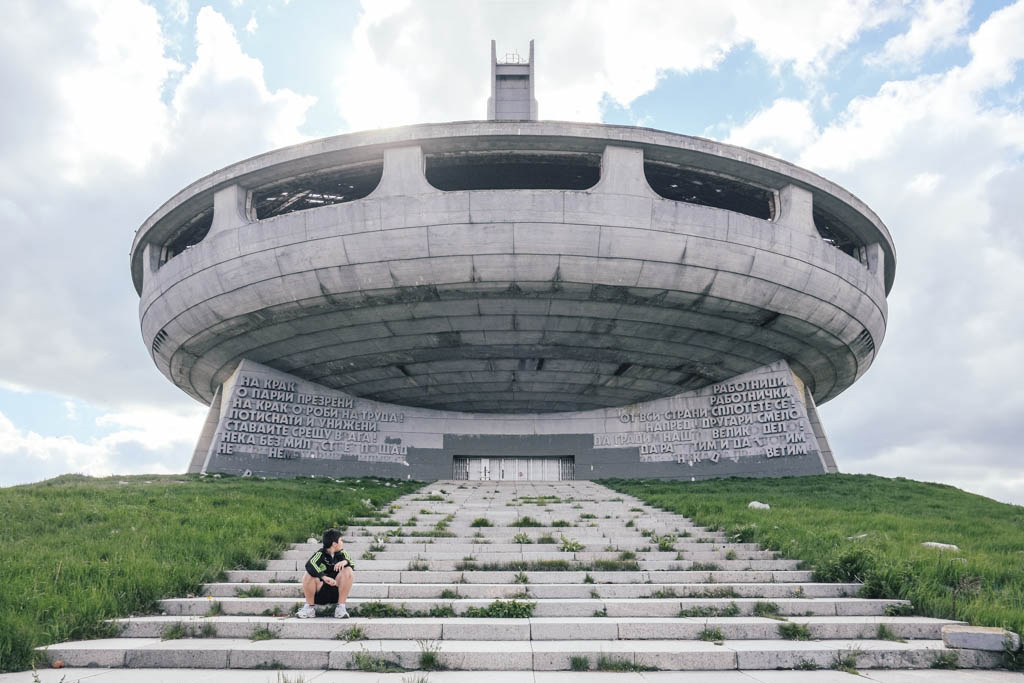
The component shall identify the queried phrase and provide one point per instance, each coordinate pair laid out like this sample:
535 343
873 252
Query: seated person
329 577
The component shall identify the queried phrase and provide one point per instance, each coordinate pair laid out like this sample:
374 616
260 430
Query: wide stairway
532 576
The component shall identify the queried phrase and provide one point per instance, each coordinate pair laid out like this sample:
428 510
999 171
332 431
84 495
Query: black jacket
322 563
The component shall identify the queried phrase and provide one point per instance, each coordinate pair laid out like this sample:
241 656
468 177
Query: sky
112 106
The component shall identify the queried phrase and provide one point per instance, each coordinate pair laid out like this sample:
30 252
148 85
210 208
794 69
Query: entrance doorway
557 468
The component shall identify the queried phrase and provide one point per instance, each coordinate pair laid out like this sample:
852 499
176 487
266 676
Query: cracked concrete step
549 590
612 607
538 628
507 655
478 576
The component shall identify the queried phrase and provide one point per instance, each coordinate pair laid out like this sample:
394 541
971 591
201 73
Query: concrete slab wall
270 423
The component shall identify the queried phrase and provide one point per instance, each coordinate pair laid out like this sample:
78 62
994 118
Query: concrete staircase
621 586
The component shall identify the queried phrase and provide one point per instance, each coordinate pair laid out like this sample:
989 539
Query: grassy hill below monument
76 551
871 529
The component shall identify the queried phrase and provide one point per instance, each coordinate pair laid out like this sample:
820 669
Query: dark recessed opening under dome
835 232
693 187
190 234
330 186
511 170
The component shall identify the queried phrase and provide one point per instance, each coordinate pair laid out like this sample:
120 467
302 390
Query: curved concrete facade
513 301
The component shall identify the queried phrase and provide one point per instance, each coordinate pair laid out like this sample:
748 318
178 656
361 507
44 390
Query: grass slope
870 529
75 551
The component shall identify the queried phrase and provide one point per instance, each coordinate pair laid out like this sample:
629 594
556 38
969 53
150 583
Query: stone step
550 590
506 655
565 607
506 533
598 577
427 563
483 553
472 545
536 628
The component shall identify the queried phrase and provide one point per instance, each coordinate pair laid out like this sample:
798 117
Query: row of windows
505 170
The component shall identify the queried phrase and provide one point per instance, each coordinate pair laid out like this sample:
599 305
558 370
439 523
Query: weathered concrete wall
274 424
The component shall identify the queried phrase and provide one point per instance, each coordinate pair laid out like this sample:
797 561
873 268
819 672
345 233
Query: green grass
570 545
711 634
352 634
525 520
481 521
765 609
821 519
430 656
503 609
364 661
125 546
262 633
730 610
607 663
793 631
380 610
579 663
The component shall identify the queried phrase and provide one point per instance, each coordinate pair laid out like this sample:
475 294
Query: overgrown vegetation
794 631
730 610
503 609
376 609
607 663
525 520
139 539
864 528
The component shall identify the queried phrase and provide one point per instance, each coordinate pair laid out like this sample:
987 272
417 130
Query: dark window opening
835 232
312 191
508 170
191 234
686 185
158 341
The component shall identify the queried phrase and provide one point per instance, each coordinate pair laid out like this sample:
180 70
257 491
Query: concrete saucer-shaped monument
513 299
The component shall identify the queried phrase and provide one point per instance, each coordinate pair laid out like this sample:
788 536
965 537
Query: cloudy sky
111 106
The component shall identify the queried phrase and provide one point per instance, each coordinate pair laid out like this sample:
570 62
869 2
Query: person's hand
329 581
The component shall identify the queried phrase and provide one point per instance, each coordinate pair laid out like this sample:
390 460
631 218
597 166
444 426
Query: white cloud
415 62
783 129
252 26
91 147
936 25
143 441
937 157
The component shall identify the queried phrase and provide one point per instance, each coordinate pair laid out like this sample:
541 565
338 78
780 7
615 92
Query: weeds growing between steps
76 551
870 529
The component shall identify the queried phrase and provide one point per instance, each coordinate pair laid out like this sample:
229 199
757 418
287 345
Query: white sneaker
340 612
306 612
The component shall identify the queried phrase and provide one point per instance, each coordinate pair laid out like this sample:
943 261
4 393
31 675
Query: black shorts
327 595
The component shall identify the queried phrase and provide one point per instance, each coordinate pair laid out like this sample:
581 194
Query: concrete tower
512 94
